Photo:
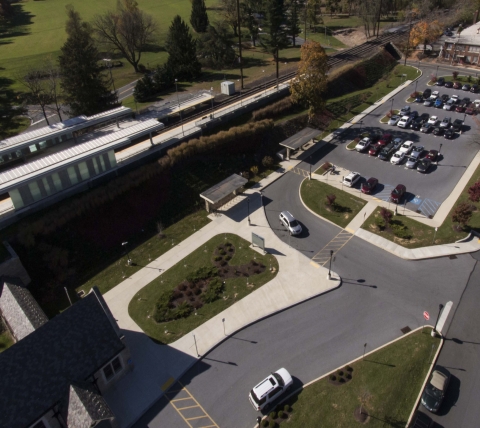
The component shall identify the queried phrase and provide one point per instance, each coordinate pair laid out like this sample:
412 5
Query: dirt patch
351 36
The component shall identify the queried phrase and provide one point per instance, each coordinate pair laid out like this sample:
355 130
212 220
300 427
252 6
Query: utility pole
408 43
240 43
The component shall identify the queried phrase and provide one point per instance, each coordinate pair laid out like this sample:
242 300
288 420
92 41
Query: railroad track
343 57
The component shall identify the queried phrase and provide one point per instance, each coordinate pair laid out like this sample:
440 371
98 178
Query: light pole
264 83
261 198
259 420
416 81
434 235
248 210
129 260
178 100
330 265
211 94
364 348
440 307
108 64
436 73
223 321
391 107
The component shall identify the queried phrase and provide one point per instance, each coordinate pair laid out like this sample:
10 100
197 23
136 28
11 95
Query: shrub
182 287
254 170
474 192
356 139
333 377
462 214
215 288
331 200
348 376
455 74
272 424
218 258
341 380
189 292
245 174
177 294
433 78
380 224
273 110
281 415
227 258
273 415
223 263
386 215
222 252
401 232
349 369
197 291
469 78
202 273
230 249
228 244
265 423
340 372
326 166
191 285
267 162
414 94
287 408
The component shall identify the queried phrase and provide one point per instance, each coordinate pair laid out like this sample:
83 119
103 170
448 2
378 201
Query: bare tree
127 30
38 91
229 14
53 85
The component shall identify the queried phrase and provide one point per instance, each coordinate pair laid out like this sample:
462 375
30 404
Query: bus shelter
298 140
223 192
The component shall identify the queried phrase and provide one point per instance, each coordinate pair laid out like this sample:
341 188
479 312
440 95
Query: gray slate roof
26 302
37 371
226 187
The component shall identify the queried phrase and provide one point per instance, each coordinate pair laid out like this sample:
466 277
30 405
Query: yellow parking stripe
335 245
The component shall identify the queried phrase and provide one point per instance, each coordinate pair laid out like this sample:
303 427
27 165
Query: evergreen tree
85 87
9 114
182 51
215 48
199 17
294 9
276 37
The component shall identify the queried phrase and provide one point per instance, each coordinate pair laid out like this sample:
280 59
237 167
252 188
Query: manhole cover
452 256
406 329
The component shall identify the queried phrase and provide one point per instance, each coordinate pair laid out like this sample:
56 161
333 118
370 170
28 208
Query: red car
385 139
398 193
375 149
459 109
432 155
469 110
370 185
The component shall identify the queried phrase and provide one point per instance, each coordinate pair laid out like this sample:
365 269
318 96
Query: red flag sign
426 315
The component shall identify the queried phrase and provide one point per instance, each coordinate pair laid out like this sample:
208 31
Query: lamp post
440 307
434 235
416 81
391 107
261 198
264 83
178 100
330 265
248 210
129 260
436 73
108 64
364 348
259 420
211 94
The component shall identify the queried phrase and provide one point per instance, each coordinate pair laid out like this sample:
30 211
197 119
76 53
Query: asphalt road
380 294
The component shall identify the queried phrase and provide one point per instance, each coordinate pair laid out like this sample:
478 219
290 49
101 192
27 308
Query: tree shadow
152 47
17 26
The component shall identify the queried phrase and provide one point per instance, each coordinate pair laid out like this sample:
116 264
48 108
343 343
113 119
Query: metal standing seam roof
226 187
72 124
119 137
174 106
300 138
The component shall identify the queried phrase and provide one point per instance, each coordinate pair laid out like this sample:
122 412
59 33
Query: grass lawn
5 341
151 249
314 194
142 306
422 235
374 93
387 381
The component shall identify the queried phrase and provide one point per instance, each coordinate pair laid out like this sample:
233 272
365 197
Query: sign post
258 241
426 315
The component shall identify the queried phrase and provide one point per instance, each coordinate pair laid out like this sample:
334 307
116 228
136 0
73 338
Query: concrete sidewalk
158 366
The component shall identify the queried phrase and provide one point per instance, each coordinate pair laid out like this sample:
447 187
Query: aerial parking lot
425 191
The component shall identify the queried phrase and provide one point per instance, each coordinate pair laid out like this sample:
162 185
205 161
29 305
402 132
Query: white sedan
363 144
407 147
404 122
397 157
476 103
433 120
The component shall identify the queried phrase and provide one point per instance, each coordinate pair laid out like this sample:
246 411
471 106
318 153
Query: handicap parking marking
416 200
429 207
384 195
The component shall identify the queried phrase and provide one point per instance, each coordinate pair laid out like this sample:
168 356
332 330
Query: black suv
449 84
441 81
426 93
386 151
474 89
457 125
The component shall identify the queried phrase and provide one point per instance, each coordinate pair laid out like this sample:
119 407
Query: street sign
426 315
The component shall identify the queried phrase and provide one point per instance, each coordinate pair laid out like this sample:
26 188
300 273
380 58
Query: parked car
411 162
419 98
397 193
455 97
448 84
438 103
437 131
470 110
417 151
406 147
269 389
426 93
435 389
476 103
432 155
397 157
466 87
292 225
457 85
397 142
369 186
405 111
393 120
363 144
445 97
449 134
449 104
440 81
385 139
386 151
465 102
417 124
460 108
435 95
351 179
448 33
424 117
429 102
375 149
457 125
446 122
404 122
474 89
426 128
424 165
433 119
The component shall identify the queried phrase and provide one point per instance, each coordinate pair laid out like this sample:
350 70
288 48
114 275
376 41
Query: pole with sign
427 317
434 235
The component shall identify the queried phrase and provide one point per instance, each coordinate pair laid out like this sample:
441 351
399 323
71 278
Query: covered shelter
223 192
298 140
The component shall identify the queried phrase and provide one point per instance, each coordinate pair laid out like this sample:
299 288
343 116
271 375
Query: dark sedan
474 89
438 131
398 193
424 165
426 93
426 128
449 134
369 186
435 389
449 84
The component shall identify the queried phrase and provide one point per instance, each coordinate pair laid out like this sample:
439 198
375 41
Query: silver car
394 120
411 162
292 225
417 151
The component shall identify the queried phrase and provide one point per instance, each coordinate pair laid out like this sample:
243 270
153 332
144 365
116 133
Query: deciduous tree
199 16
182 51
126 30
425 32
215 48
462 214
311 81
85 87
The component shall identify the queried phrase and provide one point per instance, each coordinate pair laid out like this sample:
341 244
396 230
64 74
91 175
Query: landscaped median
387 117
352 144
381 389
203 284
330 202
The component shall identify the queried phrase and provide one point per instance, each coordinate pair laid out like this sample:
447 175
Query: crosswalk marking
335 245
299 171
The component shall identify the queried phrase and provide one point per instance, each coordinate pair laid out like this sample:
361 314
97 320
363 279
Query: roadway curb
297 391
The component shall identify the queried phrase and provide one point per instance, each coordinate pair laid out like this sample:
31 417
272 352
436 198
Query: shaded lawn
142 306
388 381
314 194
5 341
